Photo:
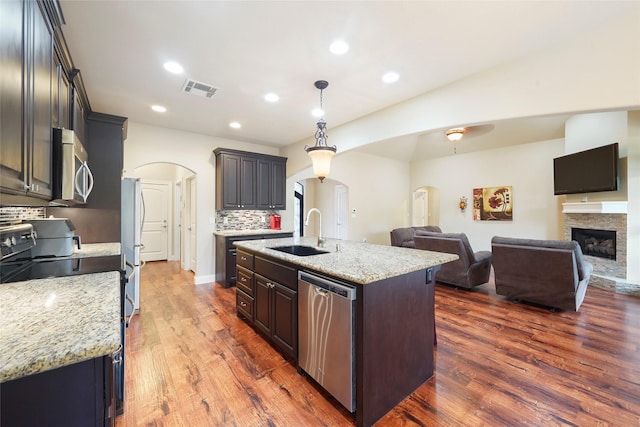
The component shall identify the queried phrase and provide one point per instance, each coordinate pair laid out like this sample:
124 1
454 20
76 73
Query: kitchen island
57 339
394 309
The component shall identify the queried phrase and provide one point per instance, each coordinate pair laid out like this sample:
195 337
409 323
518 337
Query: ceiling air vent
199 89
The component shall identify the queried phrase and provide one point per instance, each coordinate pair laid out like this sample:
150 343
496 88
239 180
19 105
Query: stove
18 265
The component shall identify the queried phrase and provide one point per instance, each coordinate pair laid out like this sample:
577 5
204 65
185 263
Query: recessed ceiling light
173 67
317 112
339 47
390 77
235 125
271 97
158 108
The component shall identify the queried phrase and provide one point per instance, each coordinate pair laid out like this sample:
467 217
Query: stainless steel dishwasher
326 335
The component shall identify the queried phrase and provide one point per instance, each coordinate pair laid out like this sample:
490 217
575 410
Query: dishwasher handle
327 284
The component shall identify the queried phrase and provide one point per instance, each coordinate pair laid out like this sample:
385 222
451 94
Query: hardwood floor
191 362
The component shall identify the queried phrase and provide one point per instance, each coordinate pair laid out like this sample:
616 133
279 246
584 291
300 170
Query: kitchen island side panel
395 342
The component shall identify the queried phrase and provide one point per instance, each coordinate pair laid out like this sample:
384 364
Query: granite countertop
50 323
232 233
356 262
96 249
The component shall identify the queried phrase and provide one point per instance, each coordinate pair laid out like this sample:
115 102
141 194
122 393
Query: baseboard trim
201 280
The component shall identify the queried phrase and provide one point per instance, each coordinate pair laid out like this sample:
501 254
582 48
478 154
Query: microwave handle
84 192
90 176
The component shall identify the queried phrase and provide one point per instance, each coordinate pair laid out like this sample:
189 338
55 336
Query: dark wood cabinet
78 115
275 303
26 75
272 176
60 95
81 394
249 180
226 258
235 181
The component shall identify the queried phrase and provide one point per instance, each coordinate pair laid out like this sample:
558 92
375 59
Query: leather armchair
552 273
471 269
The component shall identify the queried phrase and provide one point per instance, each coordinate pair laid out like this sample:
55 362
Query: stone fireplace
602 227
597 243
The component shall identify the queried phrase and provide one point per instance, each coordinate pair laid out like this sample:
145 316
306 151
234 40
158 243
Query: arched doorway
331 198
425 206
178 183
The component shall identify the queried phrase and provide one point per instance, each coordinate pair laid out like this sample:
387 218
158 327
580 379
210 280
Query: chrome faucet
321 239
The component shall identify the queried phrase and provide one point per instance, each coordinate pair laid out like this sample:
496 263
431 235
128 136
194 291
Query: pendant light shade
321 154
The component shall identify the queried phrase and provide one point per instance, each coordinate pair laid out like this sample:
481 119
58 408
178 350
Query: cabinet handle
116 357
270 285
243 279
243 258
243 304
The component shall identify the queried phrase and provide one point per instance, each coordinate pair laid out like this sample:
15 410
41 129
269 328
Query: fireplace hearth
597 243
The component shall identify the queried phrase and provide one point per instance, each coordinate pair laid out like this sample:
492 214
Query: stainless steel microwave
72 178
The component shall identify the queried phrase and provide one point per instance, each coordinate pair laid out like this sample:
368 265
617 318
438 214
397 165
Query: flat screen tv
587 171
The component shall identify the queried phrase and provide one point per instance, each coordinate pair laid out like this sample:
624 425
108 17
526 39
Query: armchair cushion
471 269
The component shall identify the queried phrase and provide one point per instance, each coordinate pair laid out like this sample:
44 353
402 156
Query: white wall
149 144
527 168
378 189
633 204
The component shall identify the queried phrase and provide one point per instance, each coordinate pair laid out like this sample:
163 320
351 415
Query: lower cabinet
271 305
81 394
226 254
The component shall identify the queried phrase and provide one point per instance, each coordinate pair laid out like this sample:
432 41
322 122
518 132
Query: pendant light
321 153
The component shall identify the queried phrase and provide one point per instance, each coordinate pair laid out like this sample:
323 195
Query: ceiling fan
455 134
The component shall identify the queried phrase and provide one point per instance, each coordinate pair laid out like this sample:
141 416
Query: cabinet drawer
244 259
283 274
244 304
245 280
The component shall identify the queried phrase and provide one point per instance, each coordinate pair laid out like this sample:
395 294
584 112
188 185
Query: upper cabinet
249 180
39 90
272 176
26 46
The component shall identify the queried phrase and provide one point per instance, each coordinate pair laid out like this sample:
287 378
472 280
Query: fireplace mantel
595 207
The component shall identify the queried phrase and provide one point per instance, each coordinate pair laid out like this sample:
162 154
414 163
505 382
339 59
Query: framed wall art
493 204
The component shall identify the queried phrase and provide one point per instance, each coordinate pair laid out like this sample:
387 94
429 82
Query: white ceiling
250 48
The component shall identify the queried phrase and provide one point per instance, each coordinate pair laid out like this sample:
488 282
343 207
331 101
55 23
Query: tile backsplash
242 220
16 214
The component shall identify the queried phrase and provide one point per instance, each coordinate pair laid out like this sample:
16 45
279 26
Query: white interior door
420 208
342 218
192 224
155 232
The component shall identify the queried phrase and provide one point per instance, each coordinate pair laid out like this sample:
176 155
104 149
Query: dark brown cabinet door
40 85
271 184
81 394
12 147
26 44
279 184
248 188
60 96
262 302
285 318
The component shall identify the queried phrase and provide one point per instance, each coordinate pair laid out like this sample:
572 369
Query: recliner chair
547 272
471 269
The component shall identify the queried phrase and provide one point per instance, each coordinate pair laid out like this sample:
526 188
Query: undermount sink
299 250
